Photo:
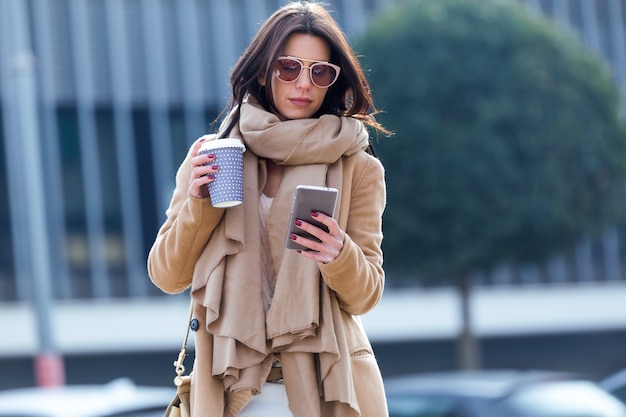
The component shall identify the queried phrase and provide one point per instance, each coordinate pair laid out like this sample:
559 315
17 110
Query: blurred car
616 384
499 394
119 398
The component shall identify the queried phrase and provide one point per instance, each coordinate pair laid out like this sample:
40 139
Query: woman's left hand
331 242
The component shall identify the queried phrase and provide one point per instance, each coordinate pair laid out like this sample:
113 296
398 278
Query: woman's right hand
203 168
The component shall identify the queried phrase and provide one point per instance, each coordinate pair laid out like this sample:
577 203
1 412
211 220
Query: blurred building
123 87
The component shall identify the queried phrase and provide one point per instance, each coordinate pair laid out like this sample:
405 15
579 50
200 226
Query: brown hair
349 96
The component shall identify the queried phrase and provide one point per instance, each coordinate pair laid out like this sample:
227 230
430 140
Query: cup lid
223 143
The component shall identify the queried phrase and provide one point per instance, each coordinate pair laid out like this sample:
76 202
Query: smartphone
308 198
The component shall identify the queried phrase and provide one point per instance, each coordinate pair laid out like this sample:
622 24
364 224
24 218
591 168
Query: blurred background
504 237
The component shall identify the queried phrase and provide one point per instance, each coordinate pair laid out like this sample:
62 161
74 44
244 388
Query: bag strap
178 364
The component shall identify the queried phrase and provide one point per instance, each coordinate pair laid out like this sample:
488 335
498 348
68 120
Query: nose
304 80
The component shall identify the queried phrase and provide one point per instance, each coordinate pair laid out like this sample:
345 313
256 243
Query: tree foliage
508 143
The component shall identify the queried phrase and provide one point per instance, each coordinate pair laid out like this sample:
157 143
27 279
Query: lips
300 101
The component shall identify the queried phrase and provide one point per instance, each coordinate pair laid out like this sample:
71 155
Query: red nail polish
298 223
215 166
314 214
210 155
293 237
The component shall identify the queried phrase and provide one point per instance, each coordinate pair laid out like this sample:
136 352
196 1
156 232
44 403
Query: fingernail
215 166
293 236
210 155
298 223
211 177
314 214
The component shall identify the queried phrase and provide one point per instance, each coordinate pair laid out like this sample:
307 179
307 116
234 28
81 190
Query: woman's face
301 98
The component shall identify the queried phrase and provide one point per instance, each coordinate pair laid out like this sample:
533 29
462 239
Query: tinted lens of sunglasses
288 70
322 75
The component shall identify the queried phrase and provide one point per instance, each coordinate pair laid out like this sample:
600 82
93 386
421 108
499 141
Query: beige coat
355 276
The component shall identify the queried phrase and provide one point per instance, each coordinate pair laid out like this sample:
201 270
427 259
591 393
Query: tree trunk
467 344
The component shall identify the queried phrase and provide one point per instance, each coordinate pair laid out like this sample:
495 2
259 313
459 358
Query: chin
305 113
294 115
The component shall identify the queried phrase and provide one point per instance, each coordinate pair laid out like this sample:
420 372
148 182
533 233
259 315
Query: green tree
508 143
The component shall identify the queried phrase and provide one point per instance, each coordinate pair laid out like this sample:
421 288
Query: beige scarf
303 322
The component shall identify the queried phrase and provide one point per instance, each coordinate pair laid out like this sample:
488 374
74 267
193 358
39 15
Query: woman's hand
331 242
203 169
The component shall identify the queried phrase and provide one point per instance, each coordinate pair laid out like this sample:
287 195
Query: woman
272 319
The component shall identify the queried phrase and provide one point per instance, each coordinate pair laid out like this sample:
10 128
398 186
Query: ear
261 79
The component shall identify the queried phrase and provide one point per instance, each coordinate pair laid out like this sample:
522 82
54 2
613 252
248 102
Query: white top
267 264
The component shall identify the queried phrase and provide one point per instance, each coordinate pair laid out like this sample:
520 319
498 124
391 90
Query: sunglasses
323 74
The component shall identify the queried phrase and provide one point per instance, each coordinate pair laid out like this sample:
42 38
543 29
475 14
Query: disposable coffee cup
227 188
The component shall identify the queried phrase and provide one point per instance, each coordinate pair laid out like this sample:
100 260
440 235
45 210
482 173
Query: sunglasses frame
337 69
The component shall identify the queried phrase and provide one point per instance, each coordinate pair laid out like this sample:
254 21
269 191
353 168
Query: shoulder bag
180 405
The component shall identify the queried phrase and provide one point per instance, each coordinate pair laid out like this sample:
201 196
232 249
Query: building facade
110 95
